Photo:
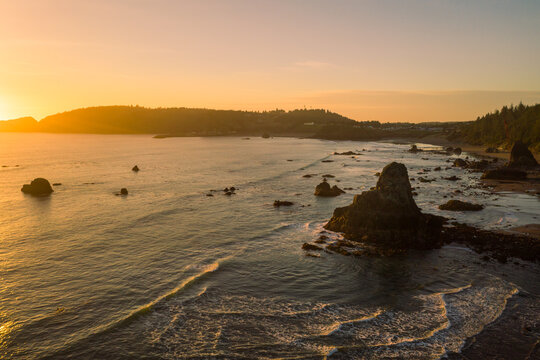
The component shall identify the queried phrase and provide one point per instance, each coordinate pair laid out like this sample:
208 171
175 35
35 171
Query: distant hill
21 124
503 127
181 121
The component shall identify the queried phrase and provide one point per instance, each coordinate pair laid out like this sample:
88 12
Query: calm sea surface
168 272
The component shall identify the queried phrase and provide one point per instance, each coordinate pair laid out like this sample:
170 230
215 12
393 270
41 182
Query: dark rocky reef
504 174
388 216
521 156
38 187
347 153
279 203
324 189
457 205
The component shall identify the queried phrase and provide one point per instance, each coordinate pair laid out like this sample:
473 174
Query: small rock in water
37 187
57 184
309 247
279 203
457 205
324 189
135 168
123 191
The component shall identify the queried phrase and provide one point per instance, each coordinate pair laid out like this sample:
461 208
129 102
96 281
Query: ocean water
168 272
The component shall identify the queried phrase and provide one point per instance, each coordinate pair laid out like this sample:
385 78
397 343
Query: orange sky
420 60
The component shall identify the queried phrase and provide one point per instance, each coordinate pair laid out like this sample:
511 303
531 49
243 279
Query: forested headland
496 129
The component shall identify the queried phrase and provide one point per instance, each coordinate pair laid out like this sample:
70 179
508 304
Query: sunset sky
415 60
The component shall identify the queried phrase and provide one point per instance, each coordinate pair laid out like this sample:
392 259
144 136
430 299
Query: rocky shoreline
386 220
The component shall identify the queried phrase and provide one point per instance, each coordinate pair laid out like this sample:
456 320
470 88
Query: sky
414 60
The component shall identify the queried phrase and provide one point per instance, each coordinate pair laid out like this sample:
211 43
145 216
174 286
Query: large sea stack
388 215
38 187
521 156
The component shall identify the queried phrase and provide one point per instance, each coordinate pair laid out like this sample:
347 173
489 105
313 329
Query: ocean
168 272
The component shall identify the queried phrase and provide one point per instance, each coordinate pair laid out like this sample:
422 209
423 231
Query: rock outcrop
388 215
460 163
279 203
504 174
414 149
38 187
521 156
324 189
457 205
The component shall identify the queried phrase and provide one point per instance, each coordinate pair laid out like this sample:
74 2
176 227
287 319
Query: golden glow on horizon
246 55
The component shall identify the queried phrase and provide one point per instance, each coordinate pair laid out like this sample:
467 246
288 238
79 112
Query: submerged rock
388 215
308 247
324 189
460 163
521 156
457 205
347 153
279 203
37 187
504 174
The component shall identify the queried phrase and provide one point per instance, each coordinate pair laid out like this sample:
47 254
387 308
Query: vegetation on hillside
184 121
503 127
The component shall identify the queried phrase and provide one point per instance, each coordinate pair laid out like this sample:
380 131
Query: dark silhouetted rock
123 191
307 176
37 187
388 215
521 156
452 178
457 151
438 168
504 174
460 163
228 193
311 247
327 161
135 168
57 184
324 189
209 194
279 203
265 136
328 176
457 205
414 149
347 153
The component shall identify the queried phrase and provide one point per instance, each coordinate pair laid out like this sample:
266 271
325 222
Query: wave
148 307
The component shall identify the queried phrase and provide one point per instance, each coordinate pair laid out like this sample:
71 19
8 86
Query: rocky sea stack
388 215
38 187
324 189
521 156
